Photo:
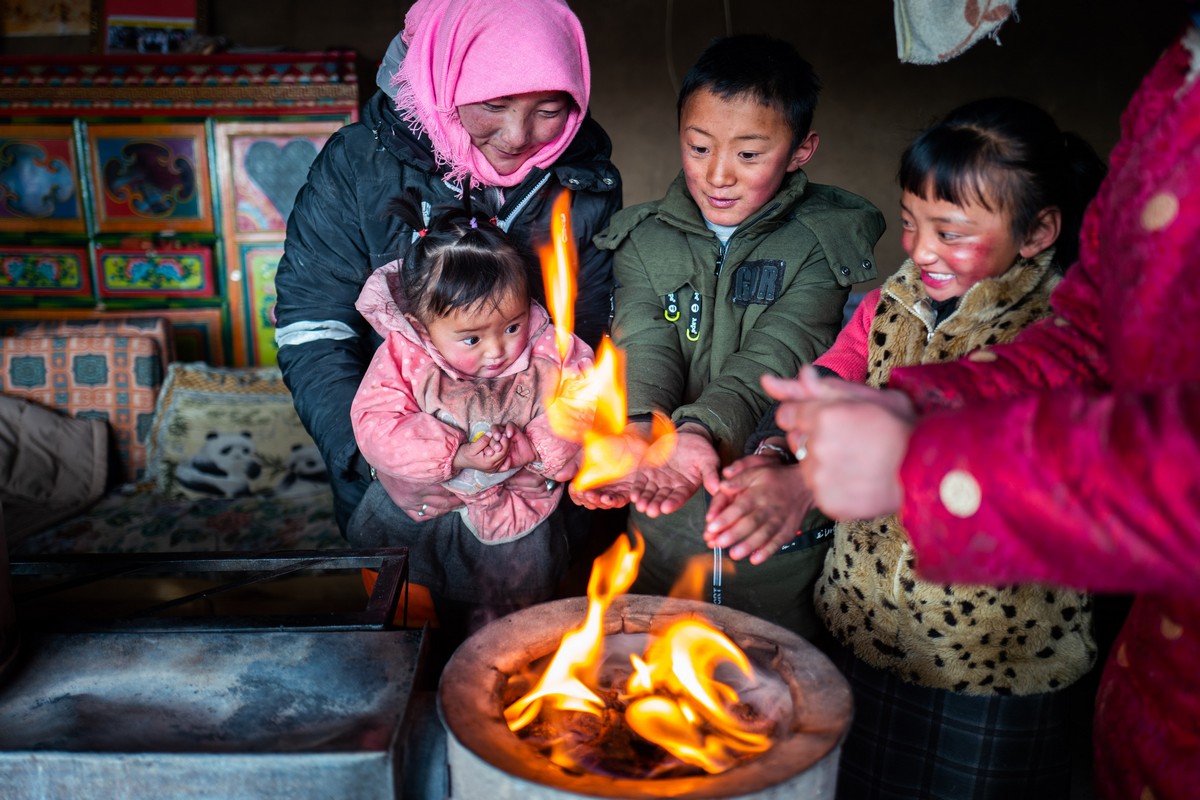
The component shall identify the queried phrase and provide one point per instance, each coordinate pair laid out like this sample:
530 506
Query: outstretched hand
853 438
758 508
666 480
624 449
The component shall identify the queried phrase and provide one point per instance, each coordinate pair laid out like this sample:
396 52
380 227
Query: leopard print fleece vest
981 640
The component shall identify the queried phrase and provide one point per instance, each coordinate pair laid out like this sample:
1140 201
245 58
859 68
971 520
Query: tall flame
562 685
559 268
609 454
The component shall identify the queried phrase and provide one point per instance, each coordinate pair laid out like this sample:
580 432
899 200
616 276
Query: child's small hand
745 516
520 450
485 453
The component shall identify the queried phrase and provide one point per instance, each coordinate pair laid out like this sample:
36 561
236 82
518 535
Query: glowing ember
673 697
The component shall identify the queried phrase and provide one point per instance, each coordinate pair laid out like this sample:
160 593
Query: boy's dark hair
1007 155
758 66
460 261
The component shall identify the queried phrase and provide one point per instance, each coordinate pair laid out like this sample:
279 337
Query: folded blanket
933 31
51 466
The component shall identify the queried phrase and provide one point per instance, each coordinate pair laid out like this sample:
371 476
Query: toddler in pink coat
456 396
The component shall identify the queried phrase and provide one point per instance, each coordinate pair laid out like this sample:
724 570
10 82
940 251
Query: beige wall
1080 59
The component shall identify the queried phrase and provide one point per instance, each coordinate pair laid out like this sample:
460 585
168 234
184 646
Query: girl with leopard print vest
956 688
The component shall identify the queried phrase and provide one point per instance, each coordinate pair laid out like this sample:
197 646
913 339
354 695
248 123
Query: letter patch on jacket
758 282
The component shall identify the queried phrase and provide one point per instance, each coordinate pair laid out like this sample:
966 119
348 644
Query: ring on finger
421 512
801 451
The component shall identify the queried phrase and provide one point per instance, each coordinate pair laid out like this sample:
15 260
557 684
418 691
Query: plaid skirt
910 742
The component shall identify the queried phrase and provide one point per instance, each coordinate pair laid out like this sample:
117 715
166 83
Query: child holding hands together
455 397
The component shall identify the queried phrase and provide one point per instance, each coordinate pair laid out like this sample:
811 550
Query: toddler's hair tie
423 231
474 224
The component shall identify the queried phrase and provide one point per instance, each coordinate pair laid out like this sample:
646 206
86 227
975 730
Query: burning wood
673 710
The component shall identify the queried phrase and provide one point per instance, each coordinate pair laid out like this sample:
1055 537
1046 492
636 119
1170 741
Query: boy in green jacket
743 268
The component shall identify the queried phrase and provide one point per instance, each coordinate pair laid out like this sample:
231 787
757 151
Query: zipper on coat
722 249
504 223
929 326
725 244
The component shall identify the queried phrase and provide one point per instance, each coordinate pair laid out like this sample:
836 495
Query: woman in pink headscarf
485 96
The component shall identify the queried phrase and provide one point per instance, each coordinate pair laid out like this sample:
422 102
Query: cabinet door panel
39 180
150 178
260 168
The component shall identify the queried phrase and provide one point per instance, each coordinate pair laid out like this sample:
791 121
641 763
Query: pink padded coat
1081 465
413 411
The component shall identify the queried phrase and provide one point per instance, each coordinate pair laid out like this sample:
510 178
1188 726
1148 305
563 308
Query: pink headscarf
468 51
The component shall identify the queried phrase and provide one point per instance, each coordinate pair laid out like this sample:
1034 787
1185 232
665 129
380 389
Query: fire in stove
795 696
647 697
673 710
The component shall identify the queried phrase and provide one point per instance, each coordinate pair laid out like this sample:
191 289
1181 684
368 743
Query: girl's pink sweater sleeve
847 356
394 435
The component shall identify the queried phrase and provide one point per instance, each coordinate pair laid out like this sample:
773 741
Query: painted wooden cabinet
161 186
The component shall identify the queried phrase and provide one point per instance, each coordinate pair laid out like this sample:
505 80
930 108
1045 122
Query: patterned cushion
101 369
225 432
139 520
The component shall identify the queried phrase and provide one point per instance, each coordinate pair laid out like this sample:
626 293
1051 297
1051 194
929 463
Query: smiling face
736 153
957 246
482 341
509 130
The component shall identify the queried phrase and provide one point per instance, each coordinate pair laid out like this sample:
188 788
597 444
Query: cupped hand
672 471
486 453
520 449
617 455
758 508
610 495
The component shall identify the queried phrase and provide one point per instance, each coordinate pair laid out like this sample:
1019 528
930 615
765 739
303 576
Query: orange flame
611 451
681 706
562 684
609 454
673 696
560 265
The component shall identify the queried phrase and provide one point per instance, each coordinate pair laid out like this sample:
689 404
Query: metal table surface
217 708
212 715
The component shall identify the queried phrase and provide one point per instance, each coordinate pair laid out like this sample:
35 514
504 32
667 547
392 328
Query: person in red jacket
1068 455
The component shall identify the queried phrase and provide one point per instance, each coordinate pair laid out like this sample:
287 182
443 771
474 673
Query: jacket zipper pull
724 248
693 328
671 306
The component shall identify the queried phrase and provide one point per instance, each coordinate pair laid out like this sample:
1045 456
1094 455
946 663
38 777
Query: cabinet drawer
45 271
138 272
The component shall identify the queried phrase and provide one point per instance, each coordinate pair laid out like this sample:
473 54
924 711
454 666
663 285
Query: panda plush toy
225 466
306 472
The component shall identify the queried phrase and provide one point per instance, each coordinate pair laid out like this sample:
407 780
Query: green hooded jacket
772 302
